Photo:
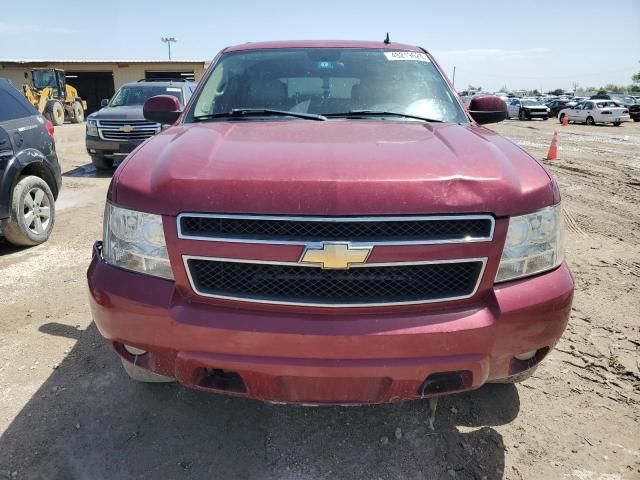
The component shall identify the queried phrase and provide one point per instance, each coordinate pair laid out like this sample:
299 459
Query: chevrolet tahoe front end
291 240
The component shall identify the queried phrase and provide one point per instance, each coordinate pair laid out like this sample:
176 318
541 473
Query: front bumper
318 359
107 148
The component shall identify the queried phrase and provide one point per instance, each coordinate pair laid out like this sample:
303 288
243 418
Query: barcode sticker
414 56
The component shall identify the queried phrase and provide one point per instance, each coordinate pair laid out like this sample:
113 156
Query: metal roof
323 44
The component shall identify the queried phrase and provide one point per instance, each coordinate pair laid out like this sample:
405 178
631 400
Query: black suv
30 176
120 127
625 100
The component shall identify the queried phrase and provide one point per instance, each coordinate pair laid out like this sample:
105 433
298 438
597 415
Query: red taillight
50 127
605 112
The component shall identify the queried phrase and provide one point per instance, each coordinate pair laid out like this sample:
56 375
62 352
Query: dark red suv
325 223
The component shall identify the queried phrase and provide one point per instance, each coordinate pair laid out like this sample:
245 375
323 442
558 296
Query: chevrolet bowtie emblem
126 128
335 255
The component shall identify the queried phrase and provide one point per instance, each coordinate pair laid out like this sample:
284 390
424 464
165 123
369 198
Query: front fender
28 157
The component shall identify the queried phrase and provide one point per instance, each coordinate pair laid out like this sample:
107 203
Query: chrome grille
116 130
371 230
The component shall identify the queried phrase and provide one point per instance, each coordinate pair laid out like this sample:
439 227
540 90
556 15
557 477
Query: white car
527 109
596 111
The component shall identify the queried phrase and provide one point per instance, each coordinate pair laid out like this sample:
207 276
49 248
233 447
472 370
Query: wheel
590 121
102 163
521 115
617 124
78 112
32 212
518 377
637 119
140 374
544 118
54 111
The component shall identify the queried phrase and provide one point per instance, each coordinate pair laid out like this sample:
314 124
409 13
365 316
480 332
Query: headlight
92 127
533 245
135 241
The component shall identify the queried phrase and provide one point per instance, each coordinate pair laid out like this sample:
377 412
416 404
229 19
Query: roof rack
163 80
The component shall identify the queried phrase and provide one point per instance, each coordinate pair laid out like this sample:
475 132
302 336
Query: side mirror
488 109
164 109
104 102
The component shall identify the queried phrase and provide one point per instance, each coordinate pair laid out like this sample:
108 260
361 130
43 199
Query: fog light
91 150
526 355
137 351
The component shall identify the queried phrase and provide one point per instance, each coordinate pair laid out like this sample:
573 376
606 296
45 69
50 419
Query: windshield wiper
259 112
379 113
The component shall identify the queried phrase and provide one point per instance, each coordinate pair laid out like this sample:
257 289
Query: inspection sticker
415 56
172 89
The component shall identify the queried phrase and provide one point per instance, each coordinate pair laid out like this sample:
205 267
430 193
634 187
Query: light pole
168 41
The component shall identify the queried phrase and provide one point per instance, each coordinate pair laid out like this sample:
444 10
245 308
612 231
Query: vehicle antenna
386 40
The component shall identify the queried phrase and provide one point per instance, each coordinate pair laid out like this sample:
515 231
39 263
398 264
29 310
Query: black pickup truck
119 127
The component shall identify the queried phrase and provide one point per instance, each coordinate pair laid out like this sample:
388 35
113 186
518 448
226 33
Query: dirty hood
337 167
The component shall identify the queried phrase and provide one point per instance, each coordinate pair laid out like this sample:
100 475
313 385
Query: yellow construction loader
49 93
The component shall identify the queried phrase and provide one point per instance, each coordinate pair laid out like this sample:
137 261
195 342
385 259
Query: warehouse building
96 80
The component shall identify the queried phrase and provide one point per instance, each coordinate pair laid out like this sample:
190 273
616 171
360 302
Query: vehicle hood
336 167
132 112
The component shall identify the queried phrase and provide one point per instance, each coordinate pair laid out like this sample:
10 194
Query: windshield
44 78
531 103
138 94
328 81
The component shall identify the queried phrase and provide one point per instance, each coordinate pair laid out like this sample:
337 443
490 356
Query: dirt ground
67 411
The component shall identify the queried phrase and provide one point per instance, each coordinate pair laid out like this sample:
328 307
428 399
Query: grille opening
424 229
446 382
517 366
224 380
369 285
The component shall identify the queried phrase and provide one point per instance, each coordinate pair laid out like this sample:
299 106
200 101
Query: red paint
391 353
337 355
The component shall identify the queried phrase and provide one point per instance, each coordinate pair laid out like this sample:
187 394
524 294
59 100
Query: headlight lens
135 241
92 127
533 245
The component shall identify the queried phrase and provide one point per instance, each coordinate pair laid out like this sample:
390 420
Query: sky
532 45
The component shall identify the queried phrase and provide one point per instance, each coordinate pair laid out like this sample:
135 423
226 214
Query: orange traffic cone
565 120
552 154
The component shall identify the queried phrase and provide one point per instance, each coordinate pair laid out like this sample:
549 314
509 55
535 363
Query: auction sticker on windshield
415 56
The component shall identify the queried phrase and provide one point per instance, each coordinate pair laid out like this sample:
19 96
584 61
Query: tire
32 213
54 111
102 163
637 119
590 121
517 378
617 124
545 118
78 112
521 115
143 375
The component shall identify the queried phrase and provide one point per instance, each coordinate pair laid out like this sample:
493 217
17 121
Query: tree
557 91
610 87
